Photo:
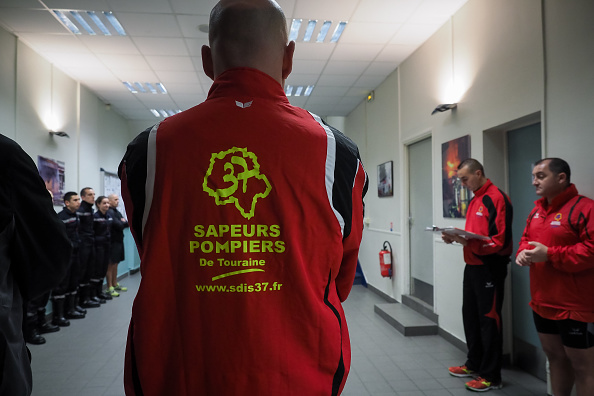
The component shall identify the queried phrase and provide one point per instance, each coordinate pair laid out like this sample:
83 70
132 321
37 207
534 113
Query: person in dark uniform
88 297
34 251
102 227
64 296
116 250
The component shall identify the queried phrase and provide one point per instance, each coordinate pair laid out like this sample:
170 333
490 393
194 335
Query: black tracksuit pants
482 295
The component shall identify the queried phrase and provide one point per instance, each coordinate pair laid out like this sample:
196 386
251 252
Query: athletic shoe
112 292
120 288
482 385
461 371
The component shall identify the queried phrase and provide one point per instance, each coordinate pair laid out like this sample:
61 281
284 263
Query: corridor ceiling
163 40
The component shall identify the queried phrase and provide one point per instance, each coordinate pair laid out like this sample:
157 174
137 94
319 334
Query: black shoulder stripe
576 225
340 369
135 168
345 172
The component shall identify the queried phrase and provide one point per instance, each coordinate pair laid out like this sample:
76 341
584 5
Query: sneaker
461 371
112 292
120 288
482 385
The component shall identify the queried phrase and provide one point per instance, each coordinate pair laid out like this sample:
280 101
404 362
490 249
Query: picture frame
455 196
385 184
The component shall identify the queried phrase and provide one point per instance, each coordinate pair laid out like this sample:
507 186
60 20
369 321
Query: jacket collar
483 189
559 200
245 82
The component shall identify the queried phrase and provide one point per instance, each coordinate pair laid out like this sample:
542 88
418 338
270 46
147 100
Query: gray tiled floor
87 358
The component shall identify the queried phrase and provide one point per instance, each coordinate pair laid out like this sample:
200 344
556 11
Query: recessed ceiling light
289 90
311 25
83 22
136 87
308 90
323 31
294 32
338 32
155 113
300 89
163 113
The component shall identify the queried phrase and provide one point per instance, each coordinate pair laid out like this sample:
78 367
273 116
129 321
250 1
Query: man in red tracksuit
558 245
248 214
490 214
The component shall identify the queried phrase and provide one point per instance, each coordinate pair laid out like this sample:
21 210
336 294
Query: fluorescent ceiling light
170 112
114 22
311 25
151 88
83 23
338 32
140 87
99 23
308 90
130 87
66 22
289 90
163 113
161 88
299 90
295 26
323 31
155 113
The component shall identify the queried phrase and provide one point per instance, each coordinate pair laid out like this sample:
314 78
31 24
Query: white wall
491 58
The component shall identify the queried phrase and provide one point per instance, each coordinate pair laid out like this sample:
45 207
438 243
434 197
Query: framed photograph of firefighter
52 173
455 197
384 179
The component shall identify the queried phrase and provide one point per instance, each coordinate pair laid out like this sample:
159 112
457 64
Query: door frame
428 133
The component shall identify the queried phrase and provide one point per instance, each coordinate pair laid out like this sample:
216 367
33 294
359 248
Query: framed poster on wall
384 179
52 173
455 196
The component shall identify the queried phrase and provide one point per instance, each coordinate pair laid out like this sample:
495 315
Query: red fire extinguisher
385 257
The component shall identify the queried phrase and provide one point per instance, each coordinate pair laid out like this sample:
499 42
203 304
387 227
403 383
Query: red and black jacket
563 286
248 215
490 213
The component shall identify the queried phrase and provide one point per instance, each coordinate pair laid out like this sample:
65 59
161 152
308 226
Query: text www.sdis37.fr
241 288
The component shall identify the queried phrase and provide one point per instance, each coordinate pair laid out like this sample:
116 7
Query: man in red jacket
248 214
489 214
558 245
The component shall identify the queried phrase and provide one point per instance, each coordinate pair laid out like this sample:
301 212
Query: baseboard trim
381 294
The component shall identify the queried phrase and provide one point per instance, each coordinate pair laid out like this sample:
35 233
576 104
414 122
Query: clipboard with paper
457 231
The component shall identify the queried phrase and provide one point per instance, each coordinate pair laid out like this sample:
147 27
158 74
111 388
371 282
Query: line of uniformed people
91 236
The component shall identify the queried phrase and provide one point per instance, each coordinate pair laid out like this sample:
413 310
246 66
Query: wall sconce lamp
59 133
444 107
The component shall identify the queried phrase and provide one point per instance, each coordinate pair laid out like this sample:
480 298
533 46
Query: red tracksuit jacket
489 213
248 215
563 286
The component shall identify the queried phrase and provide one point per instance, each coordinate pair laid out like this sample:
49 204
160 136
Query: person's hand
447 238
522 260
538 254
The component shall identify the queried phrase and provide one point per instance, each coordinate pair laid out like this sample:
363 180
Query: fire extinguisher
385 257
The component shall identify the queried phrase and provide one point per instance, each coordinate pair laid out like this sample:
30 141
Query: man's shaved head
247 33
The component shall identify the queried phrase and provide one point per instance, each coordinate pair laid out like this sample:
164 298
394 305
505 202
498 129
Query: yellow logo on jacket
234 177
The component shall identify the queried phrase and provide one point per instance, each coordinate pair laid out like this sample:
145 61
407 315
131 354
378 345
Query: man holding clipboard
490 214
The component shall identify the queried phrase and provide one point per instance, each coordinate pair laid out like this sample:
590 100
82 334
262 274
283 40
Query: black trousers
70 282
87 259
482 296
101 261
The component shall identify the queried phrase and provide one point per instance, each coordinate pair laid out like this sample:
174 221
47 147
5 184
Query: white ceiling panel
354 52
164 45
161 46
151 6
149 25
117 45
124 62
324 9
189 25
352 68
385 11
199 7
89 5
20 20
368 33
171 63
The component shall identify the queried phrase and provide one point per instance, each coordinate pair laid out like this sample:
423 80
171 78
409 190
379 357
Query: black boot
70 312
94 296
58 308
77 306
85 298
42 325
100 293
33 337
